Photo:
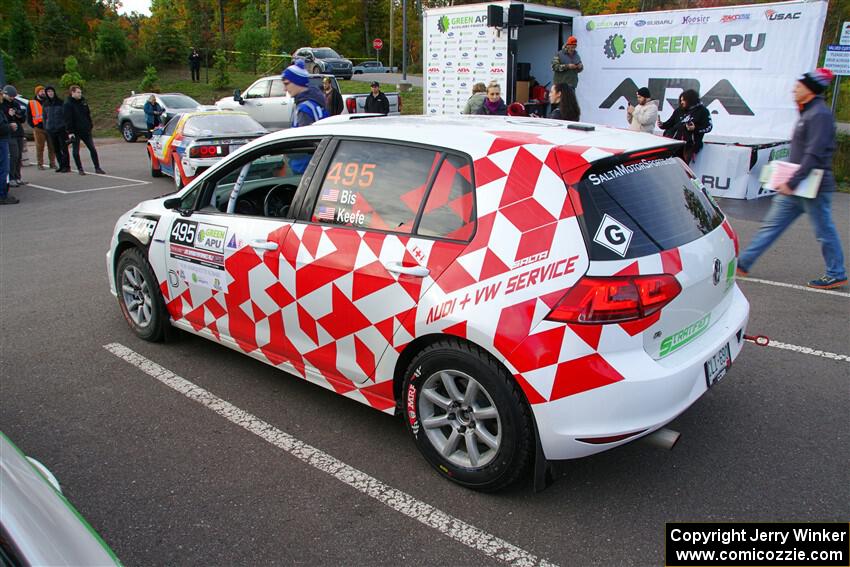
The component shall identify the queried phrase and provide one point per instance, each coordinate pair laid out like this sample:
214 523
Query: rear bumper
652 393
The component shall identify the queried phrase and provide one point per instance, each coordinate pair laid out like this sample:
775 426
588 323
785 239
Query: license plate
717 365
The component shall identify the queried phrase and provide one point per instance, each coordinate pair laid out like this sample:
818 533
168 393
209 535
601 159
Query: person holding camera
16 115
689 123
79 126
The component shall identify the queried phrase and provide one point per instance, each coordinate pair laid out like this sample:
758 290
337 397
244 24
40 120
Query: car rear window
221 125
179 101
633 208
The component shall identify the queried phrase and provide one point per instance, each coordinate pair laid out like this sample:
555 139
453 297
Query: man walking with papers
812 146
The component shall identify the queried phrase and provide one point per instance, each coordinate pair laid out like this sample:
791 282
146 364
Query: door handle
415 271
262 245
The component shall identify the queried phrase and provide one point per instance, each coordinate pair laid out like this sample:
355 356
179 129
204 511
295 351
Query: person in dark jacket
15 114
689 123
79 126
812 146
6 129
195 65
309 101
309 107
54 123
35 118
494 105
333 100
153 113
562 97
377 101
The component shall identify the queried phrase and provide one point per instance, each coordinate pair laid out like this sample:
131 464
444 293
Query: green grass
105 96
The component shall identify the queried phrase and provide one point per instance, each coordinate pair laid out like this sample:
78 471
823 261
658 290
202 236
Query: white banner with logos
742 60
460 50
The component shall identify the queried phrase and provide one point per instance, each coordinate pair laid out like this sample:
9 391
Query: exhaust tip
663 438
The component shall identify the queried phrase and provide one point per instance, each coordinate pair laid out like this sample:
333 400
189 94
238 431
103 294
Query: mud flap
544 474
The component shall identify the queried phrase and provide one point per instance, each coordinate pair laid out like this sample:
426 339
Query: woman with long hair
689 123
564 103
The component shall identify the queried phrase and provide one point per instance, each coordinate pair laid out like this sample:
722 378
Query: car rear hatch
643 214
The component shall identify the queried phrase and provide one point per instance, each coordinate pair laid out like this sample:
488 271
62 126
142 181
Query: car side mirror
309 57
157 131
172 204
237 96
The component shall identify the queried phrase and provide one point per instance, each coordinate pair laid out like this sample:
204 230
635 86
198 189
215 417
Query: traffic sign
838 59
845 34
377 44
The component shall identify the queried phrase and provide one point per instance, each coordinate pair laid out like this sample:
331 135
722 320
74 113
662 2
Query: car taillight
732 234
615 299
207 151
351 106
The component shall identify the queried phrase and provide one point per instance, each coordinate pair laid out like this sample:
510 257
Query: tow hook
758 340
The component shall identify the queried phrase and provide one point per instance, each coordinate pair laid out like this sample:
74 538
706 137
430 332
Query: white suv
513 287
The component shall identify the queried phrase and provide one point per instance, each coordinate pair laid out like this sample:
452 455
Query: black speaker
516 15
523 71
495 16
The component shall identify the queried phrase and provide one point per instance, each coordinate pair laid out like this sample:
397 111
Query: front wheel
139 297
467 416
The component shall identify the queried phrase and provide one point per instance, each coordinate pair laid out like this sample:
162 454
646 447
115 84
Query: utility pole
404 40
267 14
391 33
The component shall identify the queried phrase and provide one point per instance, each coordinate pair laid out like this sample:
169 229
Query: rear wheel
467 416
128 132
155 171
178 175
139 297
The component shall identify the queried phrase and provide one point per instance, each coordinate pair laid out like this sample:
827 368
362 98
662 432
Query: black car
324 60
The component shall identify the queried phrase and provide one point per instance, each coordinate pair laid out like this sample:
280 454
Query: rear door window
449 211
637 208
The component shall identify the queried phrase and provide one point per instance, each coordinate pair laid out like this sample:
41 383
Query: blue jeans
784 210
4 168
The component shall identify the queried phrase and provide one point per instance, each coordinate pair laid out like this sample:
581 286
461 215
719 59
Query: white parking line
136 184
792 286
807 350
397 500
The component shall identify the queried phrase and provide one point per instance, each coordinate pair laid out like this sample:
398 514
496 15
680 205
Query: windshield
326 53
179 101
222 125
660 205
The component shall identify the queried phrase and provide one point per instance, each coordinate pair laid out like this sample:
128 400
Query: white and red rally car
513 287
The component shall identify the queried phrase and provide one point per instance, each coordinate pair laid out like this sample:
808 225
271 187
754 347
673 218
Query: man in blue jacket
309 107
812 146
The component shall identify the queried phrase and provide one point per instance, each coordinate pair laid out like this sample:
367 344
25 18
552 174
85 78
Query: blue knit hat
296 73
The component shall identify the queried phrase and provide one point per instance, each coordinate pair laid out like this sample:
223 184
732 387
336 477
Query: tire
139 297
484 442
178 175
128 132
154 172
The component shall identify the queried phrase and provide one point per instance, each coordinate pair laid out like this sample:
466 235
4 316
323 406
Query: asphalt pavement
224 478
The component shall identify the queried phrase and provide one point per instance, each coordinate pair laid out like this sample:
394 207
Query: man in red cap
567 64
812 146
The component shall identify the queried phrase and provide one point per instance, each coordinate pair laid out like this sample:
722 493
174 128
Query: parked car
324 60
511 287
131 114
38 526
373 67
191 142
269 104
